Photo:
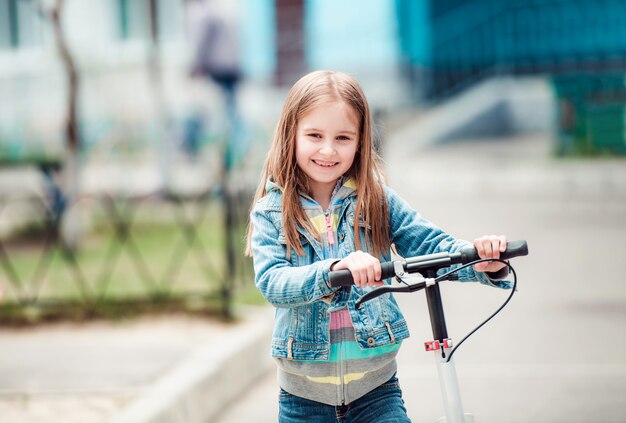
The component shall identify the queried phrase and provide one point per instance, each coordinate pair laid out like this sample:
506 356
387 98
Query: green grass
155 267
250 295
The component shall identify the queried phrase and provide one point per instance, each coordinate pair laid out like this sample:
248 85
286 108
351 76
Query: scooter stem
450 391
448 381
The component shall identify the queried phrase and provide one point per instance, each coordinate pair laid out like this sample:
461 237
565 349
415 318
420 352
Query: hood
345 188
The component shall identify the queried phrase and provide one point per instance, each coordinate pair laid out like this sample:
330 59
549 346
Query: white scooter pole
449 384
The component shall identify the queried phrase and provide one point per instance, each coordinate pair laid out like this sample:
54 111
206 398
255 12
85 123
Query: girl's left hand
490 246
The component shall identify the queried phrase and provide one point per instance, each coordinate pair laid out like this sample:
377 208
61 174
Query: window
135 16
20 24
134 19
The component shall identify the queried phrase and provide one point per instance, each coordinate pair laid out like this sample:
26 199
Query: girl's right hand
364 267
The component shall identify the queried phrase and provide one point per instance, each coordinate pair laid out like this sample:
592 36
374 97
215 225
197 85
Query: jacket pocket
363 229
294 258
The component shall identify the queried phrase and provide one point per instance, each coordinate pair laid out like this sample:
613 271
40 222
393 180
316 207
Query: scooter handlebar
343 277
513 249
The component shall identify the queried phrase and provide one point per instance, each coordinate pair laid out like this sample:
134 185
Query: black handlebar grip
387 270
339 278
343 277
513 249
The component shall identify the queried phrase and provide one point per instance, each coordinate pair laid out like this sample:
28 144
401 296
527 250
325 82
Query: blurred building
448 44
404 52
577 46
111 41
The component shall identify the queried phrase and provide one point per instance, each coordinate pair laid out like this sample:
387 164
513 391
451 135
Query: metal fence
135 253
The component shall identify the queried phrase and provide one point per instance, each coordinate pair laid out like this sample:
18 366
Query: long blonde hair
280 166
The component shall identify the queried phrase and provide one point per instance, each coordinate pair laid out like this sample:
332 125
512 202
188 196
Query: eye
343 138
314 135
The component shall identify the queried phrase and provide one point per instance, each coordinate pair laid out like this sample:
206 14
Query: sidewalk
520 166
156 368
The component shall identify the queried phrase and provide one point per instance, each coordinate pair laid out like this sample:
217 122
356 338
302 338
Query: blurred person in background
213 30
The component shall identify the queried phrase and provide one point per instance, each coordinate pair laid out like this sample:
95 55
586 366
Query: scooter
420 273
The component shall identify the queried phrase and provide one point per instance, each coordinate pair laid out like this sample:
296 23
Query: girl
321 205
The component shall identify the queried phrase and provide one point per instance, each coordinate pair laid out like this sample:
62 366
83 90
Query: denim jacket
298 286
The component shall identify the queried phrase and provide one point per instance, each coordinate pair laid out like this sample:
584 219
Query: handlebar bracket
398 268
437 345
410 279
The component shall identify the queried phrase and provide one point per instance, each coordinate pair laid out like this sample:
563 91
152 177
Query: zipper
329 229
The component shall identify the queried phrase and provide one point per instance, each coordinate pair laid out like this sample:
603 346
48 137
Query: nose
327 147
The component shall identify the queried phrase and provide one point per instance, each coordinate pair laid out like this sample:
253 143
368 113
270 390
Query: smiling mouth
325 164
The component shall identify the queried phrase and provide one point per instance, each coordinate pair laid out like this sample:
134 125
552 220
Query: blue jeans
383 404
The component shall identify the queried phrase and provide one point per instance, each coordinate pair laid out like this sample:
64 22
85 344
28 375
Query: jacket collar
345 187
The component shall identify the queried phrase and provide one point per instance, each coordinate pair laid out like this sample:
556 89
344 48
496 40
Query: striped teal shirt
350 372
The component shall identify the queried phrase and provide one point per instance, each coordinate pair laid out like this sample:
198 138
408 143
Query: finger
356 276
495 247
362 275
354 270
502 243
364 264
480 249
378 271
350 263
370 274
495 266
480 267
374 268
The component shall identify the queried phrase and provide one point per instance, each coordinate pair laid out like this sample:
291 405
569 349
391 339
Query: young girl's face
326 142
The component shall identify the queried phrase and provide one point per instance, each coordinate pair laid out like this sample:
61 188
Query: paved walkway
96 371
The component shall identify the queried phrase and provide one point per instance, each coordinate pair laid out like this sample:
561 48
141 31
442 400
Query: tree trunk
70 225
161 114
